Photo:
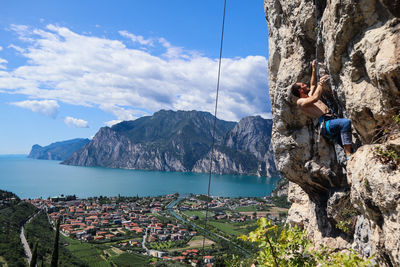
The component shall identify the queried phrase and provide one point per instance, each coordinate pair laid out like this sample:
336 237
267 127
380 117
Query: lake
31 178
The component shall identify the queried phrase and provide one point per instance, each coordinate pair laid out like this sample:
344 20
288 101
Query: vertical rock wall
359 46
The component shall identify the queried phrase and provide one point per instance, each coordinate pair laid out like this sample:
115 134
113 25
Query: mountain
180 141
58 150
246 149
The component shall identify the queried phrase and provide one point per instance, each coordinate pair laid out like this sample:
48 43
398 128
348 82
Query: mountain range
181 141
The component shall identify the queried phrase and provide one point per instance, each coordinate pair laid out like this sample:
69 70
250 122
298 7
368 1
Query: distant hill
181 141
58 150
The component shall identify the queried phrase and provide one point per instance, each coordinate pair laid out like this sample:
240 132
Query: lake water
31 178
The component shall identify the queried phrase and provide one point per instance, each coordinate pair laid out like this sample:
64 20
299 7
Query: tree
34 256
54 256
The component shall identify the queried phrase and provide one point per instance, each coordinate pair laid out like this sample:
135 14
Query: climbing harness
324 129
214 126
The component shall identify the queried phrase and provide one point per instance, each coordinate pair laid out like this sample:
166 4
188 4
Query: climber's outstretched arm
313 82
304 102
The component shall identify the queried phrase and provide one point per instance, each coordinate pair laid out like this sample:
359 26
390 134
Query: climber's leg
342 127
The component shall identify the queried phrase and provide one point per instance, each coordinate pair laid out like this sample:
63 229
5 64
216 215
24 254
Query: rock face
359 45
58 150
246 149
281 189
181 141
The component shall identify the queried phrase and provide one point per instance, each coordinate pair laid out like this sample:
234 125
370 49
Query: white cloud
98 72
19 49
121 113
3 61
45 107
74 122
111 123
136 38
1 48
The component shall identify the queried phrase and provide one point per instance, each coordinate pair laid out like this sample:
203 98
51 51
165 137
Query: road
24 242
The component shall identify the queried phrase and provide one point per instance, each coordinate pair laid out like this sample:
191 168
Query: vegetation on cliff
289 246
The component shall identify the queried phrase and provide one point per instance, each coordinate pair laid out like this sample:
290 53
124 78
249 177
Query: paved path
27 249
144 240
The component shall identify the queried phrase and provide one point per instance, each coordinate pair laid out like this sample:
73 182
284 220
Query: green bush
290 246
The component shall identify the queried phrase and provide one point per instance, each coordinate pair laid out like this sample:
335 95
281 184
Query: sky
70 67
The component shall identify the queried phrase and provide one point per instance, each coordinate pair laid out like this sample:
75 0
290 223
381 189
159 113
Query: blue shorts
333 127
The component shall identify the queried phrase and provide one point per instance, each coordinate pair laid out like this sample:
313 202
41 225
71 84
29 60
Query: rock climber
331 127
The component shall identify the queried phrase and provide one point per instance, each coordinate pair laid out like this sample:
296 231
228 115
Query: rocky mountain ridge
58 150
354 206
181 141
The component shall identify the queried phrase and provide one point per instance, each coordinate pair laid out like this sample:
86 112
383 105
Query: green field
247 208
195 243
91 254
235 229
130 260
199 213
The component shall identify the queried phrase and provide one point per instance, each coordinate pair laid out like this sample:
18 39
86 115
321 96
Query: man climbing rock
331 127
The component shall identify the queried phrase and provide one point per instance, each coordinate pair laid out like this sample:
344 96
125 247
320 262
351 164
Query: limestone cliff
181 141
344 207
246 149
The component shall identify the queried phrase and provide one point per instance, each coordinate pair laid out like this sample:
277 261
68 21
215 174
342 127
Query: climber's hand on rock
314 64
323 80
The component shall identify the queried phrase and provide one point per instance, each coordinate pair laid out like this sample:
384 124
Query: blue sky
68 68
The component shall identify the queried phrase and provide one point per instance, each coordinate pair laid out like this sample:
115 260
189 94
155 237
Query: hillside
13 214
58 150
181 141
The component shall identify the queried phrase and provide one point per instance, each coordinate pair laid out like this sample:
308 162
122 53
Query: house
162 237
221 217
109 236
156 253
208 259
179 258
98 237
152 238
80 234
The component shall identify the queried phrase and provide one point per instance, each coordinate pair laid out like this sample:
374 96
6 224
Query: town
168 228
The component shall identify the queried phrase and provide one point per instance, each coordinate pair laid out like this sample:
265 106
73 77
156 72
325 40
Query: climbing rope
333 105
214 126
318 32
